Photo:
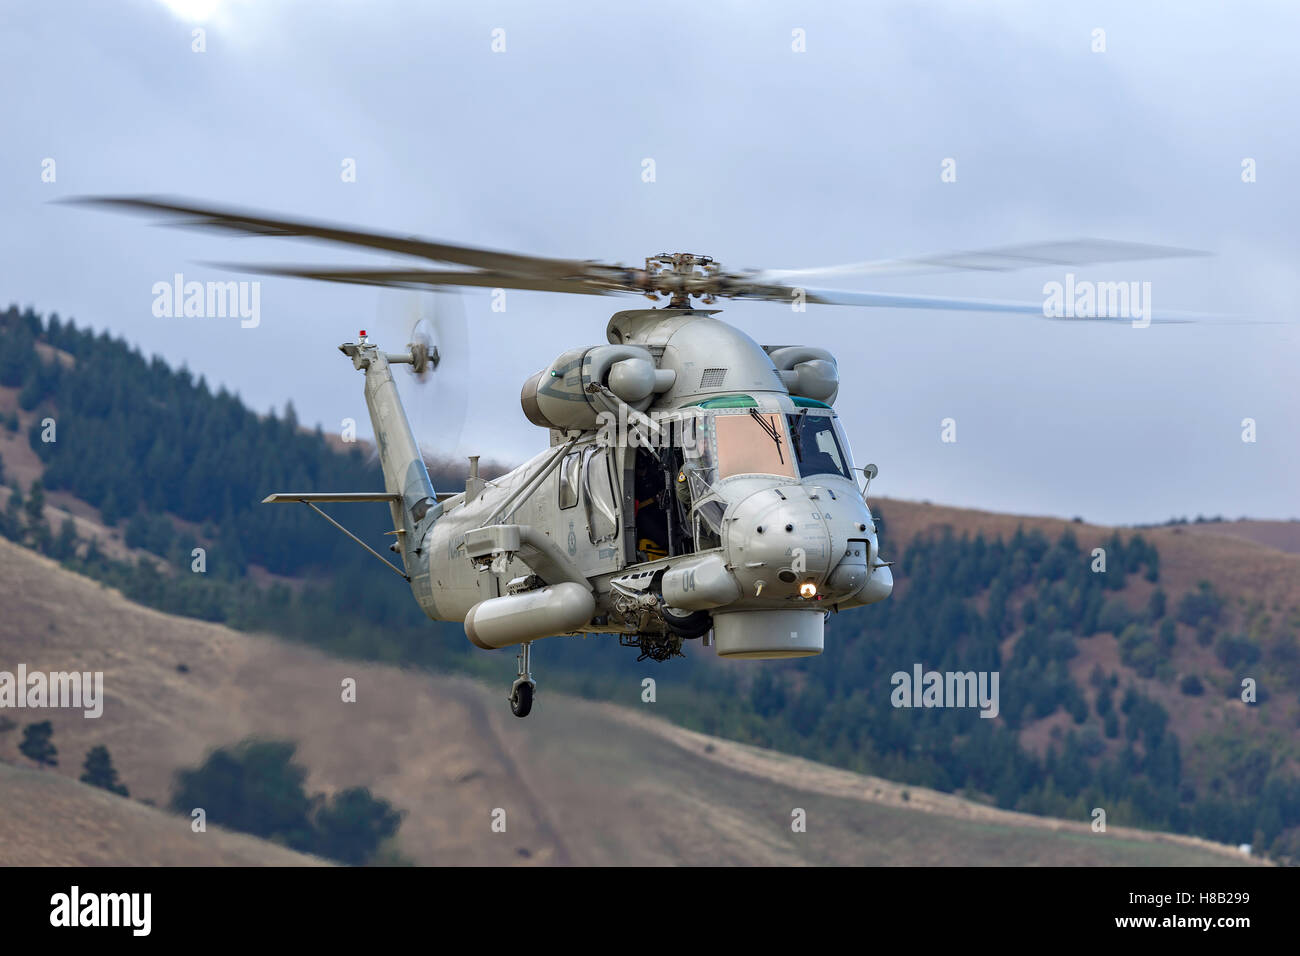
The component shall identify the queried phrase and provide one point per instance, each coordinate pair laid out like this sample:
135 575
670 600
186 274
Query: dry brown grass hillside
581 782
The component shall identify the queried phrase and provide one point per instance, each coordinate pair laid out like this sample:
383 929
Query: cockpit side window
816 446
708 525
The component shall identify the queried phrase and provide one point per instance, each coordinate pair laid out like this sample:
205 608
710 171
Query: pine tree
66 545
1156 605
13 524
37 526
109 509
37 746
100 772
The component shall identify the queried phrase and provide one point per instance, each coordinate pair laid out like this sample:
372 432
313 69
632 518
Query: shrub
38 746
100 772
1114 616
256 787
1234 650
1199 605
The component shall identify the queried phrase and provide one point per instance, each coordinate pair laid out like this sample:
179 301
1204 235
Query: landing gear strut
521 691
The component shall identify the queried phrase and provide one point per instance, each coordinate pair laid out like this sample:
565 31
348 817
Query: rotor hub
681 275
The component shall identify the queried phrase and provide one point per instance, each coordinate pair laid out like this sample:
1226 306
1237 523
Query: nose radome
779 538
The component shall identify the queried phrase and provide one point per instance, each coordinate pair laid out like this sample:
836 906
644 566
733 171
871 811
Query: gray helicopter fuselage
754 518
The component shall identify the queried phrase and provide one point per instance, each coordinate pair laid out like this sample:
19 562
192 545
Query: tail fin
399 455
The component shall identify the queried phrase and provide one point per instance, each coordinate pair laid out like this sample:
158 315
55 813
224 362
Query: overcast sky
764 157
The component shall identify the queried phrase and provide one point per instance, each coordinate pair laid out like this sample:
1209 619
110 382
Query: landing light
808 590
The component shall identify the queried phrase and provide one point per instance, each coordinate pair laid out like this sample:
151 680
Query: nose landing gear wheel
521 699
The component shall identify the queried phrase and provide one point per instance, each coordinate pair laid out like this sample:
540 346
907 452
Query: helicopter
697 485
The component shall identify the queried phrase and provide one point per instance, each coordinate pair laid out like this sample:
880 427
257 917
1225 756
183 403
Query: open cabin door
657 500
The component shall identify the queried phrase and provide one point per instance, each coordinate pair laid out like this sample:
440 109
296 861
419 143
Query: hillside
50 820
581 782
1253 560
1281 535
1261 581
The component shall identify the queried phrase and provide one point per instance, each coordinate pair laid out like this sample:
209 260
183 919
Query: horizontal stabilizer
327 496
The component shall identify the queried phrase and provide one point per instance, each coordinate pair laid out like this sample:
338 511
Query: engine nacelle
558 395
806 371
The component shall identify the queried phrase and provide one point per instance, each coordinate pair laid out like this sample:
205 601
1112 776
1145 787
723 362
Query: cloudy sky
764 157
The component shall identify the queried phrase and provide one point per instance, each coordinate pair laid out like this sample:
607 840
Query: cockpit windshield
742 443
749 442
817 447
713 445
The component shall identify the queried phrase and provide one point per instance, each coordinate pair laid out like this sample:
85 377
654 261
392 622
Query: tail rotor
435 389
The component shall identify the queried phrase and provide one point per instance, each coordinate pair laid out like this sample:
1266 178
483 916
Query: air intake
713 378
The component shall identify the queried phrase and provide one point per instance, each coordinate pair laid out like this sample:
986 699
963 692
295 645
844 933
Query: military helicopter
697 485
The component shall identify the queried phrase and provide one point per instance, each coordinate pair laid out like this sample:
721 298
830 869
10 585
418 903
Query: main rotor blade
421 278
494 269
892 300
1030 255
253 223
